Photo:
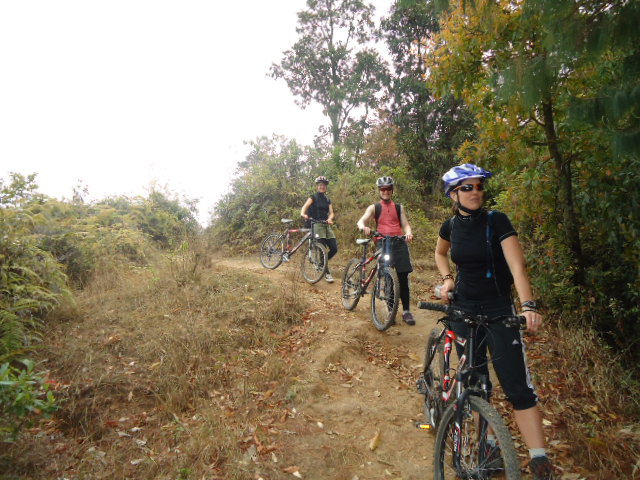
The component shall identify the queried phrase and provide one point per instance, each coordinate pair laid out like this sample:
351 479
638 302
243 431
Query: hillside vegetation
117 317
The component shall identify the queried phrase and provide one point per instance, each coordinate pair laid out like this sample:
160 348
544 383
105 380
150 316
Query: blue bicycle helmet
460 173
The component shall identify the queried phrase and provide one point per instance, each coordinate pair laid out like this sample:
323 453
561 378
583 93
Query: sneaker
408 318
541 468
328 278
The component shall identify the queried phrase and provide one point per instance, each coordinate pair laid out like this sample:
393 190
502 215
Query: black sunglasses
467 187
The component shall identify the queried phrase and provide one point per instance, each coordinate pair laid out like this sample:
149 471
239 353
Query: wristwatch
531 305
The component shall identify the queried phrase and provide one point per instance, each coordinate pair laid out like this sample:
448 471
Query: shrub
24 396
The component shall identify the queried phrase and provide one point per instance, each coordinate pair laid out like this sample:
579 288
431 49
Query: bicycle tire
271 251
314 262
385 298
352 284
434 357
478 460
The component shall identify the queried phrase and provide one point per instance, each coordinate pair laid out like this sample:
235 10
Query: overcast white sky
122 93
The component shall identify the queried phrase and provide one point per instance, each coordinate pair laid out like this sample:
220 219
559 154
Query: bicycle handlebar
518 321
382 235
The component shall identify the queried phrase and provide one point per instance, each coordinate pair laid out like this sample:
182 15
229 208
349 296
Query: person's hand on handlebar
534 320
366 230
448 285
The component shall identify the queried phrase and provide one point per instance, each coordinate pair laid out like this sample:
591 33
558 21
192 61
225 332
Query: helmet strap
467 210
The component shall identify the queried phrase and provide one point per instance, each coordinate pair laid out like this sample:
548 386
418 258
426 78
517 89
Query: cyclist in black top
489 260
319 207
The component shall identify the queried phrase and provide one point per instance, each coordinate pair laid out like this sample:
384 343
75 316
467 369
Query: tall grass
162 370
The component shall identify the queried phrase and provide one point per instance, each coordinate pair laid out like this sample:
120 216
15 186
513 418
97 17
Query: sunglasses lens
467 187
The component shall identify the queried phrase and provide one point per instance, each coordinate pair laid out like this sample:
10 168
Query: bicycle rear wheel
351 284
314 262
271 251
432 377
477 459
385 298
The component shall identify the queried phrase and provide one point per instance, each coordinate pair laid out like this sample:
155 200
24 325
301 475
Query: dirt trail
359 383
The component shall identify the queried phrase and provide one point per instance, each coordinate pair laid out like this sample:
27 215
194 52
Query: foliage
331 63
277 178
430 129
556 168
31 284
273 182
24 395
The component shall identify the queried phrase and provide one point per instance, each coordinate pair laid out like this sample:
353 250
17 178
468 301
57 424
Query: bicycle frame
309 236
382 255
449 383
465 368
366 278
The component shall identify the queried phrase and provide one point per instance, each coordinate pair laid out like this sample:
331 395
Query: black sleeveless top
468 238
319 209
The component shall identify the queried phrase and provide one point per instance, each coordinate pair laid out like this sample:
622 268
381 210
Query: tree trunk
565 194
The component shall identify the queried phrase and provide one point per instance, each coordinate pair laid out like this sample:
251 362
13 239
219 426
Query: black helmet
322 179
385 182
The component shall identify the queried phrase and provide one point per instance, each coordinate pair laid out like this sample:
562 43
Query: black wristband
531 305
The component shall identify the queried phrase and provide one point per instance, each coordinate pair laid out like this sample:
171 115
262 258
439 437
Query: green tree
505 61
430 129
331 63
272 182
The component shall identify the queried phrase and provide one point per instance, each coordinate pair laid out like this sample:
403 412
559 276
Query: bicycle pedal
423 426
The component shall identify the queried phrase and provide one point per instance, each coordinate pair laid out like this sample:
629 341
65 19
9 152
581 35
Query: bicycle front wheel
433 378
271 251
351 284
464 451
385 298
314 262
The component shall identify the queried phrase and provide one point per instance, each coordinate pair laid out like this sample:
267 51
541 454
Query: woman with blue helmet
489 261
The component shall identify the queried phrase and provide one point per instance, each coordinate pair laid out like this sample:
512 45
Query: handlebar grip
438 307
517 321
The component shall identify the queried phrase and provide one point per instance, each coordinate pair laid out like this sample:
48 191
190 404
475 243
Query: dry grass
592 402
145 350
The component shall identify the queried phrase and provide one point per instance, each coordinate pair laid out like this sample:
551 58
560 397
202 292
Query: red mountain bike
278 247
386 288
456 404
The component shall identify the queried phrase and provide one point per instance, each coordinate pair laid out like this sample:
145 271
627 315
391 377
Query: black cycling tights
331 244
405 298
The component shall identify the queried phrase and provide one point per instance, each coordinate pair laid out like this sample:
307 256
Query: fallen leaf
375 441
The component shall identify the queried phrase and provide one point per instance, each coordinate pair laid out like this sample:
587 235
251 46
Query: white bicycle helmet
460 173
322 179
385 182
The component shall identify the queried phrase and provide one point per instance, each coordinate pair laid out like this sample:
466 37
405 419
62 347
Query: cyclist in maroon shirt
391 219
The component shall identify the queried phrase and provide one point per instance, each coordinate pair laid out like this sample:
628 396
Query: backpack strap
489 238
